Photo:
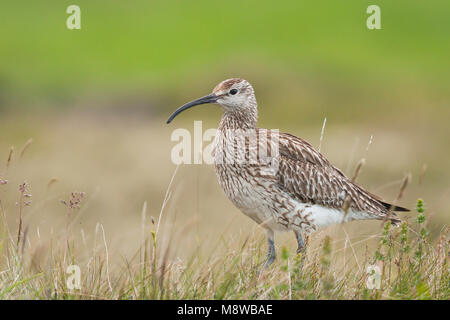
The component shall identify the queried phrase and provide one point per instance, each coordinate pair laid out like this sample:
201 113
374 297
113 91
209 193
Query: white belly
272 208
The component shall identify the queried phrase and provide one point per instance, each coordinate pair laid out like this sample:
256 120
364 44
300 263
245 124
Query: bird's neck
239 119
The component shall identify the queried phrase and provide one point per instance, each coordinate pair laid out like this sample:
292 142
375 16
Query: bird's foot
270 259
301 248
271 255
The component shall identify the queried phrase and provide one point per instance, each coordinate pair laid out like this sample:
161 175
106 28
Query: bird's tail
391 207
395 222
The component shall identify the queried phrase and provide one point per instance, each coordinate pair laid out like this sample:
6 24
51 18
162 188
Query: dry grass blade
401 192
358 169
405 183
8 161
51 182
107 259
346 207
25 147
369 144
322 133
166 199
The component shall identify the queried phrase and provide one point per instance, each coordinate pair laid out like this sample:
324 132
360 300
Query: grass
409 262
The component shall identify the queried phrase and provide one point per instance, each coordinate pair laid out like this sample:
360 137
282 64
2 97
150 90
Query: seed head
74 201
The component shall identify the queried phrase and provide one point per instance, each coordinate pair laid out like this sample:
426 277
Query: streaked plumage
298 189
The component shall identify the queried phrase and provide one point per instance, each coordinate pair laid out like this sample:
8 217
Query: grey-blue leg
271 250
300 242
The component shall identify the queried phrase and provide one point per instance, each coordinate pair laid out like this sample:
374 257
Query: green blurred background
156 49
95 100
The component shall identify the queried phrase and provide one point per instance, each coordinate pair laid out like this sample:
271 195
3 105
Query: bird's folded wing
311 178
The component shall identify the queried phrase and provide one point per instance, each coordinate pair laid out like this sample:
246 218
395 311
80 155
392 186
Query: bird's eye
233 91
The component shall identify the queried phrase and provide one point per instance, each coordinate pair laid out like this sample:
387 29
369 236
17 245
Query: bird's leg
271 250
300 242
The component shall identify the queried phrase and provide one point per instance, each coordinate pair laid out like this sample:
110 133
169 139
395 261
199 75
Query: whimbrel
296 189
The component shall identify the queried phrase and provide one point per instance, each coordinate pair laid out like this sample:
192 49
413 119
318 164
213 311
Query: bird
290 187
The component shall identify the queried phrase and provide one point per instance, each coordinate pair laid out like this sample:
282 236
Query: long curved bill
211 98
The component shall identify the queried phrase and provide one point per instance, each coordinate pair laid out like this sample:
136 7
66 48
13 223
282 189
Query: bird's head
233 95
